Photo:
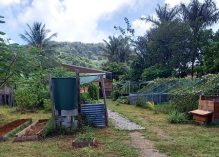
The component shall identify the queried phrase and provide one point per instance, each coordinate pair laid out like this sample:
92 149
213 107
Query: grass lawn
113 142
177 140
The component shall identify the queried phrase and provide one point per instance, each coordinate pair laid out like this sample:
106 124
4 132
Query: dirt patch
160 133
11 126
145 146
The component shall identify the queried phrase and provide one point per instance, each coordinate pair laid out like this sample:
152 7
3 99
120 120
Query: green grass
112 142
177 140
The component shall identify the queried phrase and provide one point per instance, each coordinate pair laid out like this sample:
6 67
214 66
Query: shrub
141 102
123 100
25 99
116 94
150 105
177 117
85 98
184 102
47 105
154 72
93 91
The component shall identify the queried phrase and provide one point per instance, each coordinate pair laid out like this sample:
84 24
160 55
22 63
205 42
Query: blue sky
77 20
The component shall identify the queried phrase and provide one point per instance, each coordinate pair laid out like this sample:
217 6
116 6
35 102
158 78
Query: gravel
123 123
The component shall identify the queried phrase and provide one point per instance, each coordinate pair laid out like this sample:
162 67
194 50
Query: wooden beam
104 97
78 98
53 102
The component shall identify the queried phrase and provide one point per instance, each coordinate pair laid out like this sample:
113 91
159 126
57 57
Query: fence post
53 103
104 97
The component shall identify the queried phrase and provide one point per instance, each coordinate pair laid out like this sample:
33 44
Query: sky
88 21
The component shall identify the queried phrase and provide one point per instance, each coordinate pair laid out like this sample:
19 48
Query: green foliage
184 102
177 117
164 108
116 94
141 102
37 35
93 91
26 99
117 69
211 58
85 98
117 49
47 104
150 105
154 72
123 100
61 72
86 134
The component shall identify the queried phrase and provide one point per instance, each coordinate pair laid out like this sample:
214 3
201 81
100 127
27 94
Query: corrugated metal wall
95 114
155 97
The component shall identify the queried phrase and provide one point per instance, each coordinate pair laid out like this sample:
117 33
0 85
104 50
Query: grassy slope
181 140
113 142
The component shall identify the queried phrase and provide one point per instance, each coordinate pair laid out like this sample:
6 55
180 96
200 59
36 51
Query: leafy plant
123 100
141 102
26 99
150 105
177 117
184 102
85 98
93 91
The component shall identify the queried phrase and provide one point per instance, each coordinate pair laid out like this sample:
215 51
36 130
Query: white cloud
141 26
9 2
73 20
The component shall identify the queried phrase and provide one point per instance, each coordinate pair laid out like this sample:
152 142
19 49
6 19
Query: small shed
107 76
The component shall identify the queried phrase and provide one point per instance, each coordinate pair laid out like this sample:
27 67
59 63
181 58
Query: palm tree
117 49
163 14
37 35
199 16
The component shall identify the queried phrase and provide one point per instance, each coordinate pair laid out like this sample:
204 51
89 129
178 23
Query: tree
169 46
117 49
211 58
37 35
163 14
199 16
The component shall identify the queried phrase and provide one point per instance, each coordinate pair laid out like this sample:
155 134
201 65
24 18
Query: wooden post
78 98
53 103
104 97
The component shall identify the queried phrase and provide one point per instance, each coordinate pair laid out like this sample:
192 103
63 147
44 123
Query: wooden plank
53 102
78 98
104 97
201 112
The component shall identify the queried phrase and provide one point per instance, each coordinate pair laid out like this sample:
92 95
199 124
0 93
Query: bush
150 105
154 72
25 99
93 91
123 100
184 102
85 98
47 105
141 102
116 95
177 117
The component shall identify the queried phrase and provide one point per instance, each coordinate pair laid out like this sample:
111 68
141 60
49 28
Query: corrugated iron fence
157 98
95 114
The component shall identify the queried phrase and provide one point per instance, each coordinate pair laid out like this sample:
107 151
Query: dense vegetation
179 44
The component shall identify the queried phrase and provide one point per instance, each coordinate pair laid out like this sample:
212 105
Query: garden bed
12 127
32 132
